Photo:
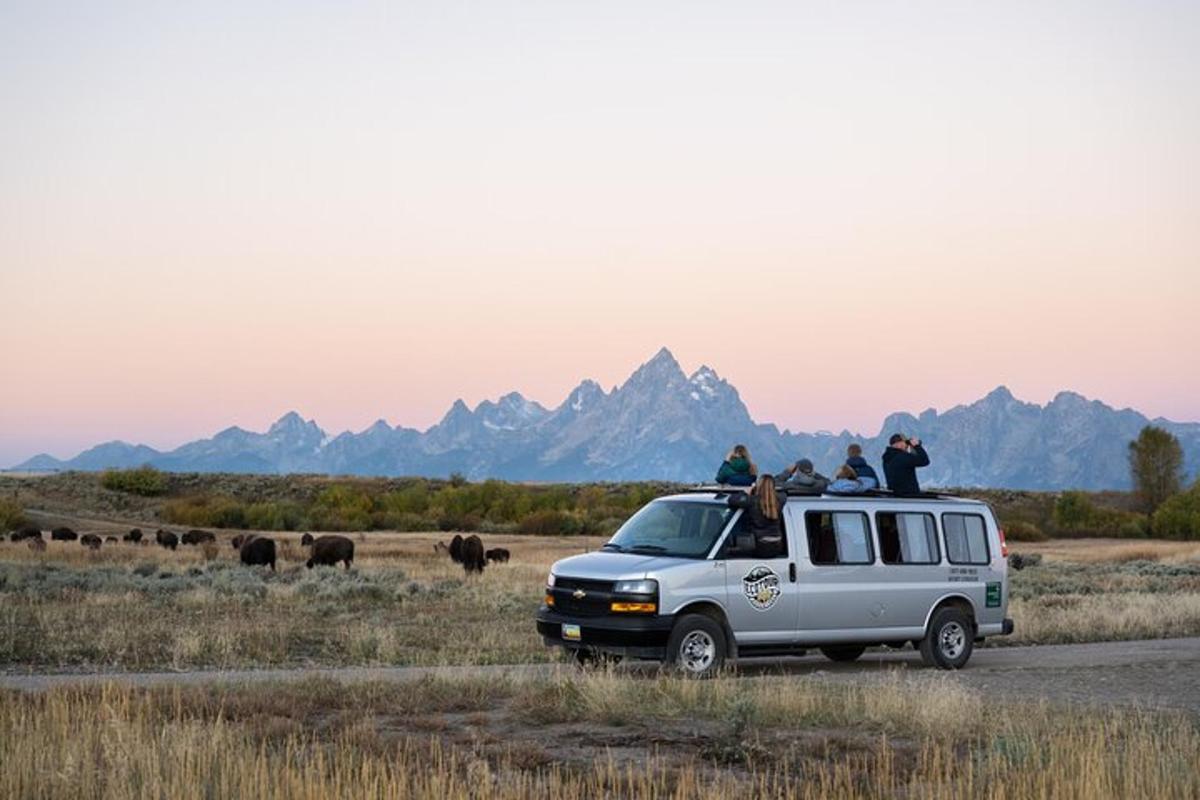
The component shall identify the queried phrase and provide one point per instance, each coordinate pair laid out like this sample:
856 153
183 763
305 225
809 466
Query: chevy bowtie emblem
579 594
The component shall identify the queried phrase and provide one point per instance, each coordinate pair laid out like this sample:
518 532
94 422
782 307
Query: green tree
1156 463
1179 516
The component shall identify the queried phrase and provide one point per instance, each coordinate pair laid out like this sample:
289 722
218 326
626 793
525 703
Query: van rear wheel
950 639
848 652
697 646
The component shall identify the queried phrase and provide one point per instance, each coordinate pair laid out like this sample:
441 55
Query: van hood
613 566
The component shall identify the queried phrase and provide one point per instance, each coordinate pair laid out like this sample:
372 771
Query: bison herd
256 550
470 553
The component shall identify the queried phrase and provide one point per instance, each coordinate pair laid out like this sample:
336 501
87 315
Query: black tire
949 640
844 652
697 646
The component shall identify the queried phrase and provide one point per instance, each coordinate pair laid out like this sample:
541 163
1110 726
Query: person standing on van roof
762 507
802 477
737 469
900 462
864 471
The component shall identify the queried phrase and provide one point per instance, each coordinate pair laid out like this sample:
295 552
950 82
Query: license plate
572 633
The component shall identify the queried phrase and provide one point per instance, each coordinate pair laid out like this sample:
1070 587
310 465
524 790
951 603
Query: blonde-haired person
846 481
763 510
737 469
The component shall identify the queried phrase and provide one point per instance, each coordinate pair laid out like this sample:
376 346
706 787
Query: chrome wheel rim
952 640
697 651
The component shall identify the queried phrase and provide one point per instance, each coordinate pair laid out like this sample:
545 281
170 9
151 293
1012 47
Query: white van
680 582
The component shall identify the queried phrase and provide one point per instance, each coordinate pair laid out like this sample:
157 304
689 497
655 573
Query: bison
197 537
166 539
91 541
473 559
306 540
456 546
63 535
498 555
25 532
37 545
134 536
256 550
329 550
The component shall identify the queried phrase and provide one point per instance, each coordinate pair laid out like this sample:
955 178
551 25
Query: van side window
907 538
966 538
740 542
838 537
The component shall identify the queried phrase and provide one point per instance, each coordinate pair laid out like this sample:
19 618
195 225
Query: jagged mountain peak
292 422
660 371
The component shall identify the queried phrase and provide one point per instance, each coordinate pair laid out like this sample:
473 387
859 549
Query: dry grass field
130 607
574 735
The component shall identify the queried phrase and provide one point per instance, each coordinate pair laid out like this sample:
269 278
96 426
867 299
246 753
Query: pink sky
211 216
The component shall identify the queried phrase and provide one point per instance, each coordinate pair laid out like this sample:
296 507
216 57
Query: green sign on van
993 595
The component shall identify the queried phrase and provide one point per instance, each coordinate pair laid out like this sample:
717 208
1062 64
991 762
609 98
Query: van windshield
672 528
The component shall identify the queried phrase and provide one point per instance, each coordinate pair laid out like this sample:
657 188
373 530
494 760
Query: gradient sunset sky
212 213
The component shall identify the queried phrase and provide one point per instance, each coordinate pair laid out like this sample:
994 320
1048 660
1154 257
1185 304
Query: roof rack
793 491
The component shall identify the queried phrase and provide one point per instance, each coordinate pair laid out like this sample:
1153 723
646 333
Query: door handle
792 572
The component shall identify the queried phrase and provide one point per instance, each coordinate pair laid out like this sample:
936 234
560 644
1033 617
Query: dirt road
1162 673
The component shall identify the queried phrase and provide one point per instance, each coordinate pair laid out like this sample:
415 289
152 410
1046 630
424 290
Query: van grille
597 596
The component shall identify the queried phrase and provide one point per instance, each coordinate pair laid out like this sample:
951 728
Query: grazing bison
498 555
134 536
37 545
198 537
256 550
91 541
472 555
63 535
25 532
327 551
456 548
166 539
306 540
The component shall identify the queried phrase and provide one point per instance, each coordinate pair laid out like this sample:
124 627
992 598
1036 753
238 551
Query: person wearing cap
801 476
900 461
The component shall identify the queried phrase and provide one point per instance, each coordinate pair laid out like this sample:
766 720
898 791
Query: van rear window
838 537
966 538
907 538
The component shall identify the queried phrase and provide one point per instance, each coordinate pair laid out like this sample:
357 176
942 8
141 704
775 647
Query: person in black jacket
763 510
900 462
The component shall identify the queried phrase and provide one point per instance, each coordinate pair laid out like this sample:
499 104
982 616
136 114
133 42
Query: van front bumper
635 635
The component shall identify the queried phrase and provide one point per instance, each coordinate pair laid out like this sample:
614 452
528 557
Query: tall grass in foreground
861 743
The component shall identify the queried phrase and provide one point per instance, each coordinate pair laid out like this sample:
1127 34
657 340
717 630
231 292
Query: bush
1179 516
1021 531
1076 515
12 516
146 481
549 523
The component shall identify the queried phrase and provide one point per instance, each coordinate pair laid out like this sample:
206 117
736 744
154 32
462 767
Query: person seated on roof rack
737 469
864 471
802 478
762 508
900 462
846 481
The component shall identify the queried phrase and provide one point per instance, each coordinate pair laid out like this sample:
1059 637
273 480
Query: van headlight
636 587
550 580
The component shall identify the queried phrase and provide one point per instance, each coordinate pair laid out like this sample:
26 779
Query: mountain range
664 424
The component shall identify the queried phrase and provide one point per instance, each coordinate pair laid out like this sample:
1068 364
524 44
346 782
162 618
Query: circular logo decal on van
761 587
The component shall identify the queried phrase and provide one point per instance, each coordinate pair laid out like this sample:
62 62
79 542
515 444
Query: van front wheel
949 640
697 646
